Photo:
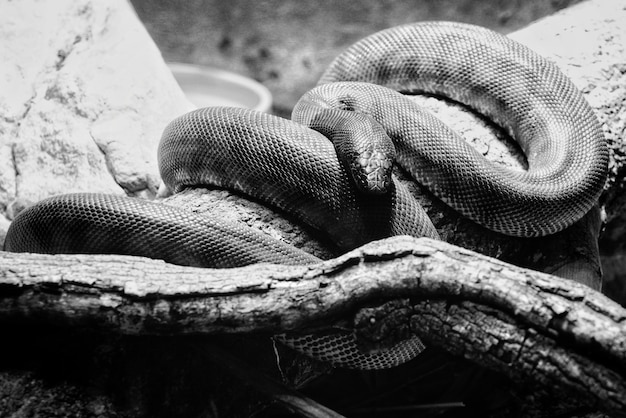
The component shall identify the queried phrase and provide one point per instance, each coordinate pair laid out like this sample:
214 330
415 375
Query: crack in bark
481 309
16 169
542 360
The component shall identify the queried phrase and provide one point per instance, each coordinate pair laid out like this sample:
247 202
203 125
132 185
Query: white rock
85 97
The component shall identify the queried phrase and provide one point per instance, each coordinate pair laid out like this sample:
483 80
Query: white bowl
206 86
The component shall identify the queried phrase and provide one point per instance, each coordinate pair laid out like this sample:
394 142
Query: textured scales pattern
362 144
107 224
288 166
340 349
296 169
510 84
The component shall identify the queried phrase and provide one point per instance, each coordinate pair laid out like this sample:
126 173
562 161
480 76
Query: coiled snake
288 165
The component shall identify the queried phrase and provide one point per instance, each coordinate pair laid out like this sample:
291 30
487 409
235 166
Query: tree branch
531 326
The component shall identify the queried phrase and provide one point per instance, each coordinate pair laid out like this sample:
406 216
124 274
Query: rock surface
85 97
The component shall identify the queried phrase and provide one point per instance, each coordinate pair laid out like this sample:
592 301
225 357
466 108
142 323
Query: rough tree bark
562 336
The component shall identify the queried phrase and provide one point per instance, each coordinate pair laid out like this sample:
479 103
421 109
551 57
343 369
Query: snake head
371 171
368 154
361 142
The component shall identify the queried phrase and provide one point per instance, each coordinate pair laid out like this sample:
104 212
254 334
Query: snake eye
347 103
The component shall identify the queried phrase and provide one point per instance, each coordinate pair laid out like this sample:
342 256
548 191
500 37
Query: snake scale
292 165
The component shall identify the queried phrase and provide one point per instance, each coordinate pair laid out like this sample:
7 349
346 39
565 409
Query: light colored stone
85 97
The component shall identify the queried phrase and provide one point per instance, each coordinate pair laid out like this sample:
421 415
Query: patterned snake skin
294 168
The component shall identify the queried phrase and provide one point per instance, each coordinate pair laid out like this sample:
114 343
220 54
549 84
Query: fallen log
562 336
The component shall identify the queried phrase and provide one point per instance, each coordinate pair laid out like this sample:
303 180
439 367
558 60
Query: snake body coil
513 86
296 169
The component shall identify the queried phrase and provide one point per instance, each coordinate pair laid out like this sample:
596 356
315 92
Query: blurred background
286 44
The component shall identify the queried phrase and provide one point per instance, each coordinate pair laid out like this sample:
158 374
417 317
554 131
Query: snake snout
370 153
367 153
343 113
371 171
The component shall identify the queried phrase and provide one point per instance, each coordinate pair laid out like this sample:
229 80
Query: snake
330 166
